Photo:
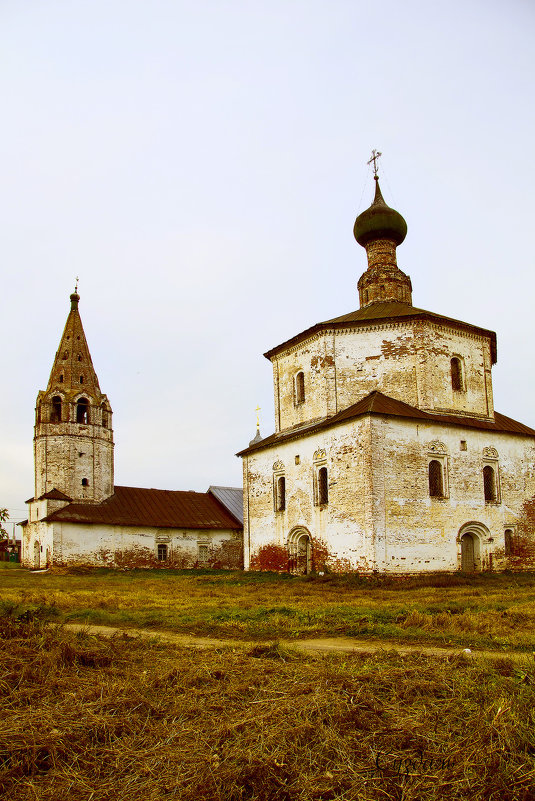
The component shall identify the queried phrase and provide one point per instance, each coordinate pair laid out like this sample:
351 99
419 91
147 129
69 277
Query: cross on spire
76 285
258 417
375 156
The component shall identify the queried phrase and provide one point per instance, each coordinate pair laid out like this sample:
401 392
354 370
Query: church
388 455
77 516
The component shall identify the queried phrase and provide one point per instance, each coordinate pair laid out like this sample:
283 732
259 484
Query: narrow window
456 374
104 416
281 494
79 358
82 411
61 379
81 379
55 416
436 483
323 486
365 296
489 484
162 552
508 541
85 482
300 387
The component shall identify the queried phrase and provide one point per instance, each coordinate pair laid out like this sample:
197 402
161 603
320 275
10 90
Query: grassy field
493 611
89 719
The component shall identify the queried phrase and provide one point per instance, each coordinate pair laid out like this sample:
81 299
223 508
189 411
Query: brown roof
377 403
133 506
383 311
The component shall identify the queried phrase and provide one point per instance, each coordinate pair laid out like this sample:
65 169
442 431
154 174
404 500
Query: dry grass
488 611
85 718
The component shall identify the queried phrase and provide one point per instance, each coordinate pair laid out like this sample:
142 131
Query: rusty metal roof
134 506
379 404
381 312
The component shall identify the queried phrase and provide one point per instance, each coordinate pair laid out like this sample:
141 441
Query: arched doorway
468 564
300 551
470 539
36 554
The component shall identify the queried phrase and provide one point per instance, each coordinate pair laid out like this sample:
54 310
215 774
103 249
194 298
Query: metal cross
77 279
375 156
257 416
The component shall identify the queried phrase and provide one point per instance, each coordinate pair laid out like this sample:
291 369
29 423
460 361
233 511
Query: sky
198 165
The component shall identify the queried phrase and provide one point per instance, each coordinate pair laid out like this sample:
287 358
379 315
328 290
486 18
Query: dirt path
320 645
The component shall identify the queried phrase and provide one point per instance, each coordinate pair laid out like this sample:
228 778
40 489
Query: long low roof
382 312
378 404
154 508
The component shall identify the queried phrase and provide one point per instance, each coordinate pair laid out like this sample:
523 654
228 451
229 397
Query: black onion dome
379 222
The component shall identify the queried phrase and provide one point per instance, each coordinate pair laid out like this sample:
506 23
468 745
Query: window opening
508 541
81 379
436 483
61 379
323 486
456 374
281 494
203 554
162 552
85 482
82 411
489 484
300 387
55 416
104 416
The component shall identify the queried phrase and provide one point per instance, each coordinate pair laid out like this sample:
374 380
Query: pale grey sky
199 165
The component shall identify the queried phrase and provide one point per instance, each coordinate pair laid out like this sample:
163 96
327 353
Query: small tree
4 514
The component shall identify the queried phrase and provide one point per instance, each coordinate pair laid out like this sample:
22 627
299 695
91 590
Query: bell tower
73 442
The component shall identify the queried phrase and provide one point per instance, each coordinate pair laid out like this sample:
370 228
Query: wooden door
467 553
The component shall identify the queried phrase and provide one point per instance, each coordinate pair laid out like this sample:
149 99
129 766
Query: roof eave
423 315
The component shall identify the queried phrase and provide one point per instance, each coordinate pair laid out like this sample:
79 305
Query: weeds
488 611
88 718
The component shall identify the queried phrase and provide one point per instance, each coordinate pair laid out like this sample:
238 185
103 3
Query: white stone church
388 454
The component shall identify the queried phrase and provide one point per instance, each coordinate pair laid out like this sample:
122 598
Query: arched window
300 387
61 379
436 481
280 502
81 379
82 411
85 482
508 541
489 484
104 416
55 414
456 374
323 486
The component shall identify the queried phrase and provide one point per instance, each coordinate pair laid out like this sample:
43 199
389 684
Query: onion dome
379 222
